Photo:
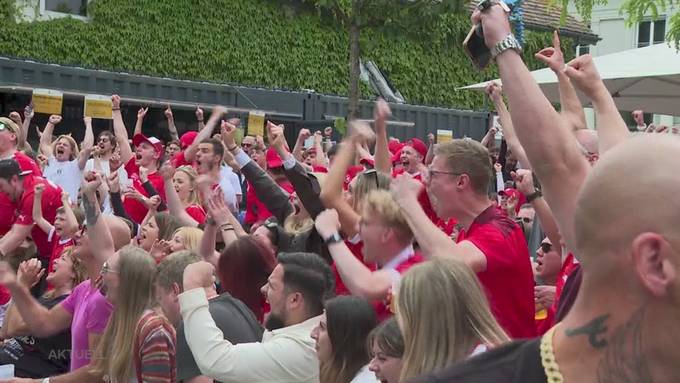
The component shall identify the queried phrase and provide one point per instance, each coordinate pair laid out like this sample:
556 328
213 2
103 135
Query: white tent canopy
644 78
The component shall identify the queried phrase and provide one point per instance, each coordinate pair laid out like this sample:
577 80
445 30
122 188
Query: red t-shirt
179 160
382 308
26 163
356 249
196 212
508 279
256 211
58 246
22 210
135 209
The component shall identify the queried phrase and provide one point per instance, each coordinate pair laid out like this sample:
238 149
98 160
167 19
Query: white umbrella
643 78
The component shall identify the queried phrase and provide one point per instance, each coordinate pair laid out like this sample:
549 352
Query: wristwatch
334 238
509 42
533 196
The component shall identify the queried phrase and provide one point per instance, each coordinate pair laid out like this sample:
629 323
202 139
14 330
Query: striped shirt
154 357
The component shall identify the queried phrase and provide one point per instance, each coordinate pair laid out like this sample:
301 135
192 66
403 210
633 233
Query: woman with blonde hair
186 238
181 191
444 317
138 344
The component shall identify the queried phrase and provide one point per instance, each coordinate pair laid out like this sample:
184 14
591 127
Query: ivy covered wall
255 43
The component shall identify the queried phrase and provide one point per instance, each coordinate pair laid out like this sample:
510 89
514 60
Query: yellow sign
47 101
97 106
256 123
444 136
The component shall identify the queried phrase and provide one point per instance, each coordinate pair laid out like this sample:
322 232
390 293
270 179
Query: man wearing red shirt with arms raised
18 187
490 243
148 152
9 137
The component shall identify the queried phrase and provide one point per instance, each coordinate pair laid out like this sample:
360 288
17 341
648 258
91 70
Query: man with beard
296 290
86 311
208 160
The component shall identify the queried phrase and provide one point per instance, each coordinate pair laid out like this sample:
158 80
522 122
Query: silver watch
509 42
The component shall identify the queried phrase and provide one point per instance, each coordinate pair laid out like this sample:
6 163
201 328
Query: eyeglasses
435 172
107 269
246 145
546 247
525 220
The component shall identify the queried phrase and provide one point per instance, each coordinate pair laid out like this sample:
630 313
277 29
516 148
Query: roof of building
540 15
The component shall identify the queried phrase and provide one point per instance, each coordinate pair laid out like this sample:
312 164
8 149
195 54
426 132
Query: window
651 32
582 50
71 7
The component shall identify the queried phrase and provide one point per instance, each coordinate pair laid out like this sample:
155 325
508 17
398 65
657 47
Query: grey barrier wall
298 109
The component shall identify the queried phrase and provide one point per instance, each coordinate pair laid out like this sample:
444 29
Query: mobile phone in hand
476 49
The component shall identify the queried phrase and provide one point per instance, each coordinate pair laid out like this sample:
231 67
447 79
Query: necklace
550 366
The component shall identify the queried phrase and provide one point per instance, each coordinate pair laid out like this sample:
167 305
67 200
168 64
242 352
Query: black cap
9 168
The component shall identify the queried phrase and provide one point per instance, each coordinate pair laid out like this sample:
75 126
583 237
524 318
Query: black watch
334 238
533 196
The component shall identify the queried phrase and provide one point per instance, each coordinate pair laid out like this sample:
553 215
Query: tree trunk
354 71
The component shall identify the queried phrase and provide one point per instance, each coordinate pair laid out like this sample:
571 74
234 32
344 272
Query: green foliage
254 42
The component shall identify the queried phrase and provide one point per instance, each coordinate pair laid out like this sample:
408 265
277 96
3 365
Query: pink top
91 312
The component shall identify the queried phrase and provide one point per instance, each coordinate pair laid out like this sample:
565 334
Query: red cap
394 146
187 139
514 193
418 145
273 159
351 173
153 141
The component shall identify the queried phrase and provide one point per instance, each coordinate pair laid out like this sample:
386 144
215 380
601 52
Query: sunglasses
375 176
525 220
4 126
246 145
107 269
546 247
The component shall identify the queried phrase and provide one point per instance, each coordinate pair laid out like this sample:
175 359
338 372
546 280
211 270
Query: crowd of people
213 258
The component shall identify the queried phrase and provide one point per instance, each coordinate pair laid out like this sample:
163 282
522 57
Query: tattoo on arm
91 211
595 329
624 361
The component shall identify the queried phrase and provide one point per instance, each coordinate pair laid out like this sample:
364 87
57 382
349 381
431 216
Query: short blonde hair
465 156
381 204
191 237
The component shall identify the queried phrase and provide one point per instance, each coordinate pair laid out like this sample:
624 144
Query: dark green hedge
251 42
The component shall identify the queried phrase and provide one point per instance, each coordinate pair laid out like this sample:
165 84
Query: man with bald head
86 311
622 326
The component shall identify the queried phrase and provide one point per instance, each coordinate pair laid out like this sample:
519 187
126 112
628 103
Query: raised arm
267 191
87 147
205 133
46 137
550 147
430 149
199 118
359 279
300 143
383 159
171 124
306 189
97 229
572 111
331 191
141 113
525 184
320 159
494 92
611 128
120 131
21 137
38 218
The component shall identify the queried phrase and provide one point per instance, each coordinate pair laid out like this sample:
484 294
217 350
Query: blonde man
387 243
